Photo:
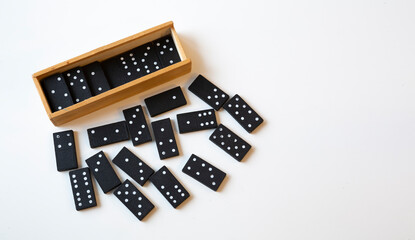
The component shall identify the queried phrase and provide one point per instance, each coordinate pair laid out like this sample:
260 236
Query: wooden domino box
115 94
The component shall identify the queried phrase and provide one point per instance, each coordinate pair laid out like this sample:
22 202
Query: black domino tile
147 58
96 78
103 172
196 121
137 125
164 138
130 66
204 172
134 200
230 142
167 51
65 150
243 113
169 187
113 71
208 92
82 188
165 101
136 168
107 134
57 92
78 85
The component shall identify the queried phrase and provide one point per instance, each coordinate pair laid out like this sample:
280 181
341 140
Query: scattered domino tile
230 142
243 113
208 92
137 125
96 78
165 101
195 121
82 188
167 51
77 84
113 71
103 172
164 138
57 92
147 61
65 150
134 200
107 134
136 168
147 58
204 172
169 186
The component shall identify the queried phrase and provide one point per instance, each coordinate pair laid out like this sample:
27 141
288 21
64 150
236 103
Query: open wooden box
124 91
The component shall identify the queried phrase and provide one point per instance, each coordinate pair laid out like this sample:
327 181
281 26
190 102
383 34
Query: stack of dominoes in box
78 84
135 127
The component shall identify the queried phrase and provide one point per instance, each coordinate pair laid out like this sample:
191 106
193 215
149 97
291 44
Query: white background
334 81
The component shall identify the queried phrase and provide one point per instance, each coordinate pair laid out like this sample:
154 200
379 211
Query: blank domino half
103 172
165 101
